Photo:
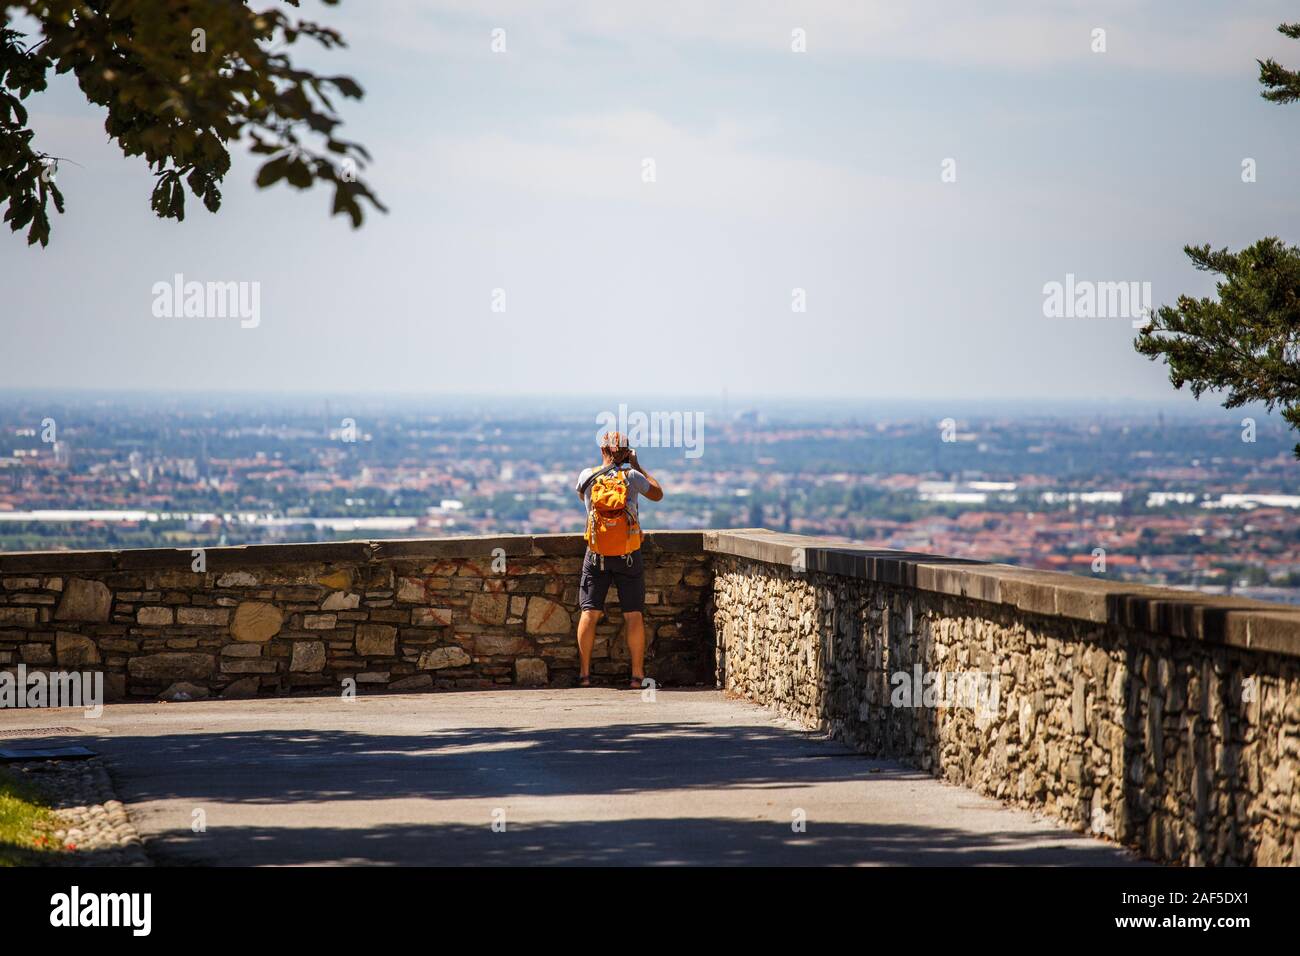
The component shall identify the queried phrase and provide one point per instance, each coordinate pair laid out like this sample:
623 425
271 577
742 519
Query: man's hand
656 492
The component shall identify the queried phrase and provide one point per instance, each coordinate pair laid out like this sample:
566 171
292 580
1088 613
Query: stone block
63 562
547 617
414 682
21 584
308 657
74 650
114 686
172 666
84 600
376 640
248 665
438 658
531 672
155 616
472 546
661 577
256 622
411 590
489 608
431 616
35 654
242 689
500 645
203 616
242 650
337 580
341 601
237 579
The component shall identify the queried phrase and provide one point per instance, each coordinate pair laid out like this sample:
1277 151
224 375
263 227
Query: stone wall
1165 720
396 615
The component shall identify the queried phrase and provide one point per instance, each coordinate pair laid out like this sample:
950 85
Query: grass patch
26 822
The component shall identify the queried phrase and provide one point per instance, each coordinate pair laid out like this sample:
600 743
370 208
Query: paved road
578 776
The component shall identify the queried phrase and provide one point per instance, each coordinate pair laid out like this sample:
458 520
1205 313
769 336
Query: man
613 556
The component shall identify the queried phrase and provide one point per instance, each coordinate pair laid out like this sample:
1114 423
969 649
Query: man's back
613 551
637 484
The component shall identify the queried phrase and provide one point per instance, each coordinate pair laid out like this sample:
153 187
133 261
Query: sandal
636 683
584 680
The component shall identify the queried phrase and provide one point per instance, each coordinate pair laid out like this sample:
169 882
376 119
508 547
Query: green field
25 823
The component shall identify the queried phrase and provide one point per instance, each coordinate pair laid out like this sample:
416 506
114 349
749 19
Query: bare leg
636 643
586 640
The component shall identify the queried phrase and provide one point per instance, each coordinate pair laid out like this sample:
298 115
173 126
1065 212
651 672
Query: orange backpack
612 530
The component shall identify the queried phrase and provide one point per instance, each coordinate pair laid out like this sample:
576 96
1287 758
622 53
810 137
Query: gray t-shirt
637 484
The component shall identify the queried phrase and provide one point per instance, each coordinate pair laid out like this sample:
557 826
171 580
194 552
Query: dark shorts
629 578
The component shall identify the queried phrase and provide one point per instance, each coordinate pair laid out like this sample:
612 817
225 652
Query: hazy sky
776 170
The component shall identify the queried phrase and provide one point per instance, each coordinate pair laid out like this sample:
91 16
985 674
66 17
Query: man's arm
656 491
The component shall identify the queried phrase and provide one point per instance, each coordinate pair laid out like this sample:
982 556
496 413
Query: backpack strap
582 488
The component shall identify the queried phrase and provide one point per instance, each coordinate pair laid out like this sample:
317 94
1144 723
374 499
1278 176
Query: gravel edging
91 818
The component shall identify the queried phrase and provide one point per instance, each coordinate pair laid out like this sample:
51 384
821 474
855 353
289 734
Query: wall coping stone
237 557
1189 615
1236 622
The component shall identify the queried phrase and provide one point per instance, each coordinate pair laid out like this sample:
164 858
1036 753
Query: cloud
1006 34
733 170
602 157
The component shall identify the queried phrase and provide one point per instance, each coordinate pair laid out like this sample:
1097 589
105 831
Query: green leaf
272 172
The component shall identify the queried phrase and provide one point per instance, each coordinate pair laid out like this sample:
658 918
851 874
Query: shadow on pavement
639 842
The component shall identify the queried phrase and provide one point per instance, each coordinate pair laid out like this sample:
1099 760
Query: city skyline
1193 501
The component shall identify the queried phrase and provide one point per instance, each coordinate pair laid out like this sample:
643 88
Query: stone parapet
399 615
1165 720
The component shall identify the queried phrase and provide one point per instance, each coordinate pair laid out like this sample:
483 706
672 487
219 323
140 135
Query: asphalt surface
595 776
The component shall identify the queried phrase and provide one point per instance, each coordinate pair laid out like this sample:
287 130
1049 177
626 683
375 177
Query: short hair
615 444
